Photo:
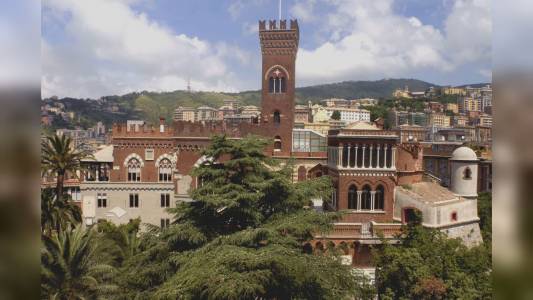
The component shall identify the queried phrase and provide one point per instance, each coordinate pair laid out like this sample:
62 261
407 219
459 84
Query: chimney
161 124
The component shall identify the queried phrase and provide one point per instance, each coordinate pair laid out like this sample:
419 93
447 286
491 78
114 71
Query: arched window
366 200
277 117
319 248
352 197
277 82
165 170
302 173
277 143
379 200
134 170
467 174
454 216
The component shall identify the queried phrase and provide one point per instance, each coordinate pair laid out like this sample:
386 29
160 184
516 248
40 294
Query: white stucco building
349 115
454 210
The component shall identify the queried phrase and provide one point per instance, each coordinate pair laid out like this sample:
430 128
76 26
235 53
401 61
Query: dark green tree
484 204
336 115
428 265
120 242
57 215
242 237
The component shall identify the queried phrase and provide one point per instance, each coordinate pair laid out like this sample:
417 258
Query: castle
378 177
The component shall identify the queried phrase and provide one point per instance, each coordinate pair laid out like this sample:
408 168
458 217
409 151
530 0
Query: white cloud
250 28
486 73
304 11
369 40
19 40
469 31
111 49
237 6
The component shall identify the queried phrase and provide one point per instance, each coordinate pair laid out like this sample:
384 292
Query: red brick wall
409 163
124 147
343 183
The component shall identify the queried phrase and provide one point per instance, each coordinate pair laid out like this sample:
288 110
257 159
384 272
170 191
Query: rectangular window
165 200
101 199
134 200
165 223
134 176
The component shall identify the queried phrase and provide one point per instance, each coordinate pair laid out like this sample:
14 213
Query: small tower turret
464 171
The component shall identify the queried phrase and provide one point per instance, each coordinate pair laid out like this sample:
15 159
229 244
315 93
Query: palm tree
121 242
56 214
71 266
59 156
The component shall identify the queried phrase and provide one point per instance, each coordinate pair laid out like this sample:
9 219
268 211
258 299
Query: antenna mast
279 10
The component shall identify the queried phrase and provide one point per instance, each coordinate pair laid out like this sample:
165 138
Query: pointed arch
267 73
133 155
161 157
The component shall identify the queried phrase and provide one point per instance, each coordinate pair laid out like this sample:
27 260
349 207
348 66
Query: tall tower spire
279 46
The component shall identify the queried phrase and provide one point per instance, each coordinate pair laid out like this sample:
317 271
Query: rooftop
362 125
104 154
428 192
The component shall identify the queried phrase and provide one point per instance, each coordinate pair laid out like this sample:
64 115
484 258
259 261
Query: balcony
371 230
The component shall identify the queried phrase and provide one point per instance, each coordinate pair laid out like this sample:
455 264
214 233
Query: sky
95 48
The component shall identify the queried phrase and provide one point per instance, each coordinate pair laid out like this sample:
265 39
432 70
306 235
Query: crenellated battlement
273 25
145 130
180 129
279 40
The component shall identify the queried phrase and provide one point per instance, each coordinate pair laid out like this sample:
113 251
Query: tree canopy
429 265
59 155
242 237
336 115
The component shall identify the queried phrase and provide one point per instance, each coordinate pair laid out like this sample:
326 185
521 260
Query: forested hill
360 89
151 105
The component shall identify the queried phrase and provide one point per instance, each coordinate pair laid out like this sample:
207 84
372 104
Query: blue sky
102 47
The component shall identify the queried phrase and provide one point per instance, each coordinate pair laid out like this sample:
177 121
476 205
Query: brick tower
279 46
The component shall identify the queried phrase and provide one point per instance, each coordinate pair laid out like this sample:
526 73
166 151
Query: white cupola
464 171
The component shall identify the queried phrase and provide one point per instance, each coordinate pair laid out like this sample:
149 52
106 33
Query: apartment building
184 114
439 120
